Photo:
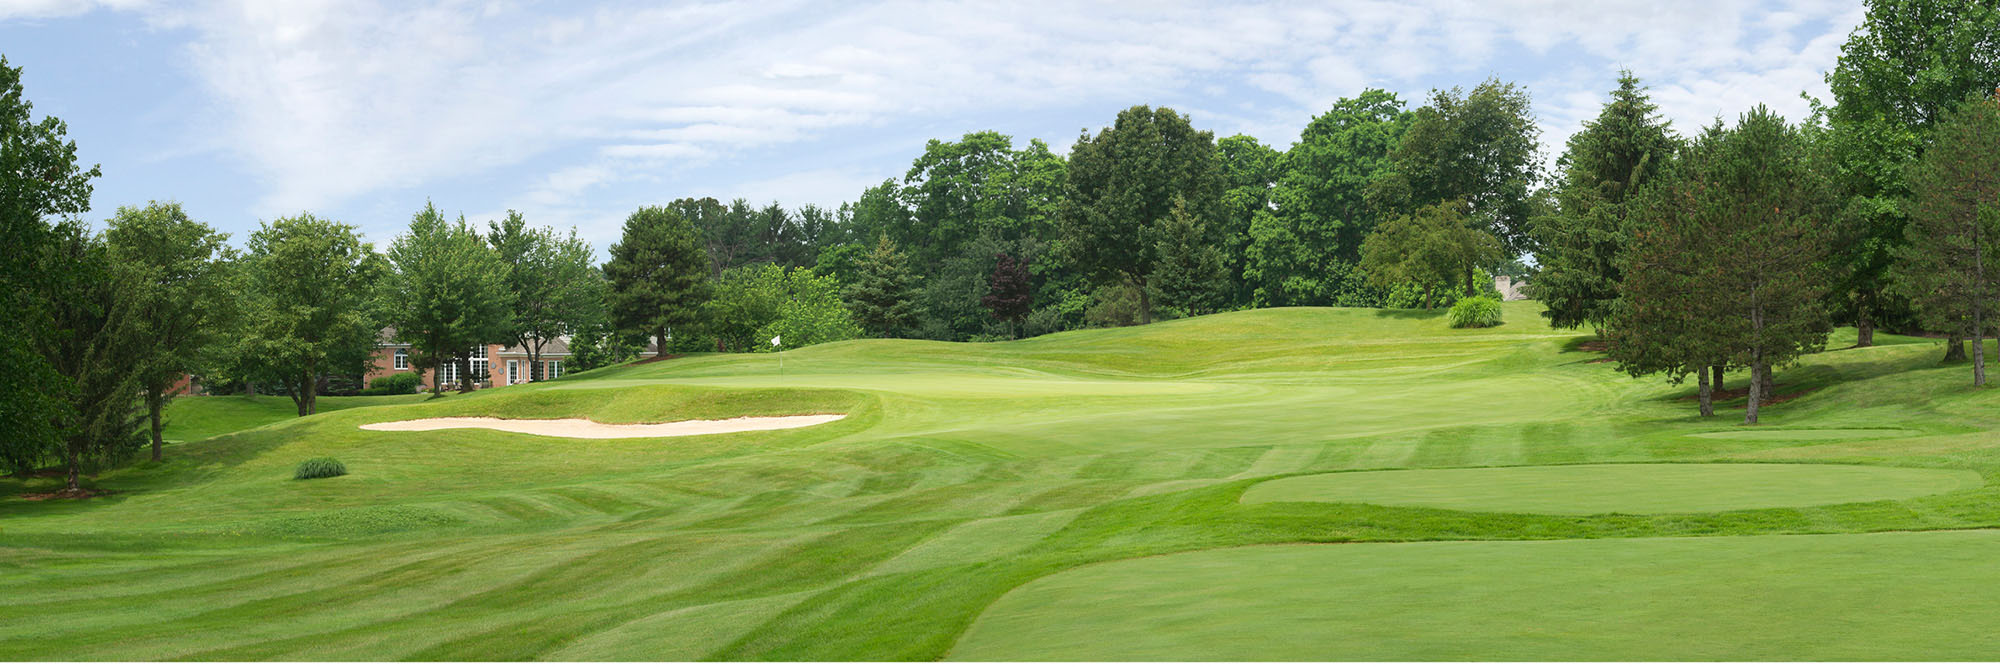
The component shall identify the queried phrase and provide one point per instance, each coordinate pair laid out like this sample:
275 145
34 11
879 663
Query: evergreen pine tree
884 296
658 272
1189 273
1948 268
1580 240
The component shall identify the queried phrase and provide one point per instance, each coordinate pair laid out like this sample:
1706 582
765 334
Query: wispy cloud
333 101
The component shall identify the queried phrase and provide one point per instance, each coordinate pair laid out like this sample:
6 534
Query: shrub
315 468
400 383
1472 312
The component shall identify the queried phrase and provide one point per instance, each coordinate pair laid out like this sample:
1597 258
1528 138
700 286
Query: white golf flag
774 340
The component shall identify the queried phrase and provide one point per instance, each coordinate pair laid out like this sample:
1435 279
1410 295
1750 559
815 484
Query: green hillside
1096 495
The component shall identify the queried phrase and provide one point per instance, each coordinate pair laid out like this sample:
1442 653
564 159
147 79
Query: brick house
495 365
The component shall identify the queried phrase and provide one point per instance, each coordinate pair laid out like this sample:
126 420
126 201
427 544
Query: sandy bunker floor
584 428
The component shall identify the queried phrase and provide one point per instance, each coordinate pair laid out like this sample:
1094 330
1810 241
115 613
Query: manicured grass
1807 434
1894 596
1660 488
191 418
962 472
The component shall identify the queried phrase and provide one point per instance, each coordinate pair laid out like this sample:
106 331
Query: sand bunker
584 428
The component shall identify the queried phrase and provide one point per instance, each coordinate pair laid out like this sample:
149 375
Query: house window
448 373
402 359
513 372
553 370
479 364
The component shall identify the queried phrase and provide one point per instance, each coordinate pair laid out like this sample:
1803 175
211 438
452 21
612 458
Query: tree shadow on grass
1410 313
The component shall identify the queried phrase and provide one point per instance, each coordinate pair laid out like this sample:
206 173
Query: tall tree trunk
1707 392
154 402
1757 371
1468 282
1978 321
465 372
75 463
1769 383
1145 303
1864 328
1427 297
1718 378
1954 348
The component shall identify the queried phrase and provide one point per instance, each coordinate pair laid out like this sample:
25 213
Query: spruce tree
884 296
1580 240
658 273
1190 276
1950 267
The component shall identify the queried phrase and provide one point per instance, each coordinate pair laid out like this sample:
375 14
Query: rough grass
963 471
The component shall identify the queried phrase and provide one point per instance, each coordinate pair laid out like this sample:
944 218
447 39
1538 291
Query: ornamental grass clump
315 468
1475 312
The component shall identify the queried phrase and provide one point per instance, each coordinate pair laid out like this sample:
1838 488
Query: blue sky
575 114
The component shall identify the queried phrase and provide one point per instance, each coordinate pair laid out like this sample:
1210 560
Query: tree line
1735 249
1739 248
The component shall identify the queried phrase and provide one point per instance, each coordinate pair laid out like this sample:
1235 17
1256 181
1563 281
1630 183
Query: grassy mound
962 472
1631 489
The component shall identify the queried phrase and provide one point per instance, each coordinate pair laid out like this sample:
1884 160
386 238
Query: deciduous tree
448 293
1122 185
177 271
308 308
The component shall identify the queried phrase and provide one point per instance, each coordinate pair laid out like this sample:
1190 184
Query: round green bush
315 468
1478 311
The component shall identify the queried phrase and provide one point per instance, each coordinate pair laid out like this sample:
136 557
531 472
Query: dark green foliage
1191 278
40 182
1950 267
1474 312
1122 186
1899 72
1580 240
98 345
551 283
308 308
1249 170
883 294
181 279
319 468
1728 260
449 292
658 273
600 345
1437 247
1477 147
1302 252
399 383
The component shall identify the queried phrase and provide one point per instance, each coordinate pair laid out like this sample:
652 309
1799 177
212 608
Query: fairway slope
1014 482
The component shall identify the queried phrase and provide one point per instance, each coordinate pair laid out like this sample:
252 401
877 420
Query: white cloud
334 101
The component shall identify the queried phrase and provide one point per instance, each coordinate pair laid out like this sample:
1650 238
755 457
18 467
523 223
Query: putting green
1659 488
1885 596
1808 434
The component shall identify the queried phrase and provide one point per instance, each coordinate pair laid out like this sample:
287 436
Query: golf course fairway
1290 483
1657 488
1894 596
